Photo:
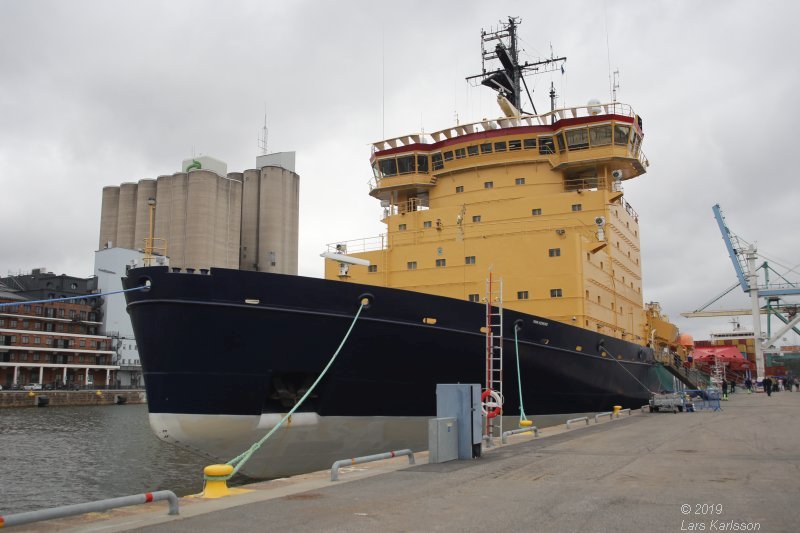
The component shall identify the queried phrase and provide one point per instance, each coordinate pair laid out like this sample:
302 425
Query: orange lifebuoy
493 408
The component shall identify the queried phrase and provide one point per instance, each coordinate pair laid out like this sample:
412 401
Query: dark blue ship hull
245 343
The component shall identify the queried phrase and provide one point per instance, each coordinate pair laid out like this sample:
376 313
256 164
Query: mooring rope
239 461
519 377
603 348
28 302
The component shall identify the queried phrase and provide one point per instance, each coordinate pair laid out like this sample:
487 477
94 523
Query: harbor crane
743 256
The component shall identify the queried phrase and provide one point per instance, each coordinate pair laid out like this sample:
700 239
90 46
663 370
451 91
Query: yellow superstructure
537 200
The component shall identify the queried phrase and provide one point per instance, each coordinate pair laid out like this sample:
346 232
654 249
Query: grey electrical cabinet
462 402
442 440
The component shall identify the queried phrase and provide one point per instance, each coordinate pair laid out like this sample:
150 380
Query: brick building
57 344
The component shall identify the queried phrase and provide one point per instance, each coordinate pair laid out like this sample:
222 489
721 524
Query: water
63 455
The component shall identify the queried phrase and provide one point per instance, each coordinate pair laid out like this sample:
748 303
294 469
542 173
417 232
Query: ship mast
507 79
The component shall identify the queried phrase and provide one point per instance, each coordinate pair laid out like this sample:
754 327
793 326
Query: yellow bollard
617 409
31 394
216 488
98 394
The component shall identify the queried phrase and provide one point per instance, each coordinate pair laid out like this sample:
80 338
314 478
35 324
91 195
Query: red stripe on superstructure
148 497
505 132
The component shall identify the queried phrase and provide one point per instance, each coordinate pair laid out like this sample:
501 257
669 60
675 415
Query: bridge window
476 218
621 134
561 144
519 181
422 164
556 293
488 184
474 298
460 188
536 212
405 164
401 227
441 262
554 252
486 148
448 156
514 145
577 207
578 139
472 150
436 161
529 144
500 146
461 153
600 135
372 268
546 146
522 295
411 265
469 260
426 224
388 167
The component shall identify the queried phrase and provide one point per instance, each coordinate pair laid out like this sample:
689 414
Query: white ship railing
357 246
545 119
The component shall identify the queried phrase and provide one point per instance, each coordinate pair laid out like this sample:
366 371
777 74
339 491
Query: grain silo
228 221
126 220
176 239
145 191
109 214
248 259
278 228
163 212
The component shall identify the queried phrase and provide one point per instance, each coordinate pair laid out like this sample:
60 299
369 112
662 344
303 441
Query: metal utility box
442 440
462 402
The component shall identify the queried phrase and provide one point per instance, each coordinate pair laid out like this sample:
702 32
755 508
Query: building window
577 207
426 224
536 212
476 218
48 327
474 298
441 262
48 341
60 313
522 295
13 324
23 357
556 293
372 268
460 188
25 324
401 227
519 181
36 357
488 184
82 343
37 325
469 260
554 252
37 340
411 265
2 321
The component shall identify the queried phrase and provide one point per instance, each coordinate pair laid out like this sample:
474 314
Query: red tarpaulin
733 359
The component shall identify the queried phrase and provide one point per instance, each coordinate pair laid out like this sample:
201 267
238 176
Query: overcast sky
99 93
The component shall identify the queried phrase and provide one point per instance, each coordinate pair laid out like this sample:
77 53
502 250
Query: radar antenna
264 136
506 80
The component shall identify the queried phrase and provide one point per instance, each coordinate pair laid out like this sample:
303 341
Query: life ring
491 408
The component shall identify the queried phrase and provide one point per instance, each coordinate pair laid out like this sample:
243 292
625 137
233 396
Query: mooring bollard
369 459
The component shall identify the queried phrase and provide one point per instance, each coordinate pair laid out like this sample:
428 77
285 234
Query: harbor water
64 455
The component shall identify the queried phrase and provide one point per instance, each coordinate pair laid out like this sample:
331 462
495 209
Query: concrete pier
732 470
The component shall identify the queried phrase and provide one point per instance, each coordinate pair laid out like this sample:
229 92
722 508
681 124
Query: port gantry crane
743 256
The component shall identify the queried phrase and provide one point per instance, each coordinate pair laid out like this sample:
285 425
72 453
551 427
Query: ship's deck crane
744 263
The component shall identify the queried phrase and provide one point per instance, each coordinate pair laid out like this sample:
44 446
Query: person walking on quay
724 389
767 386
748 384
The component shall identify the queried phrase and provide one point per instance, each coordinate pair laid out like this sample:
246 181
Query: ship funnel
508 108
